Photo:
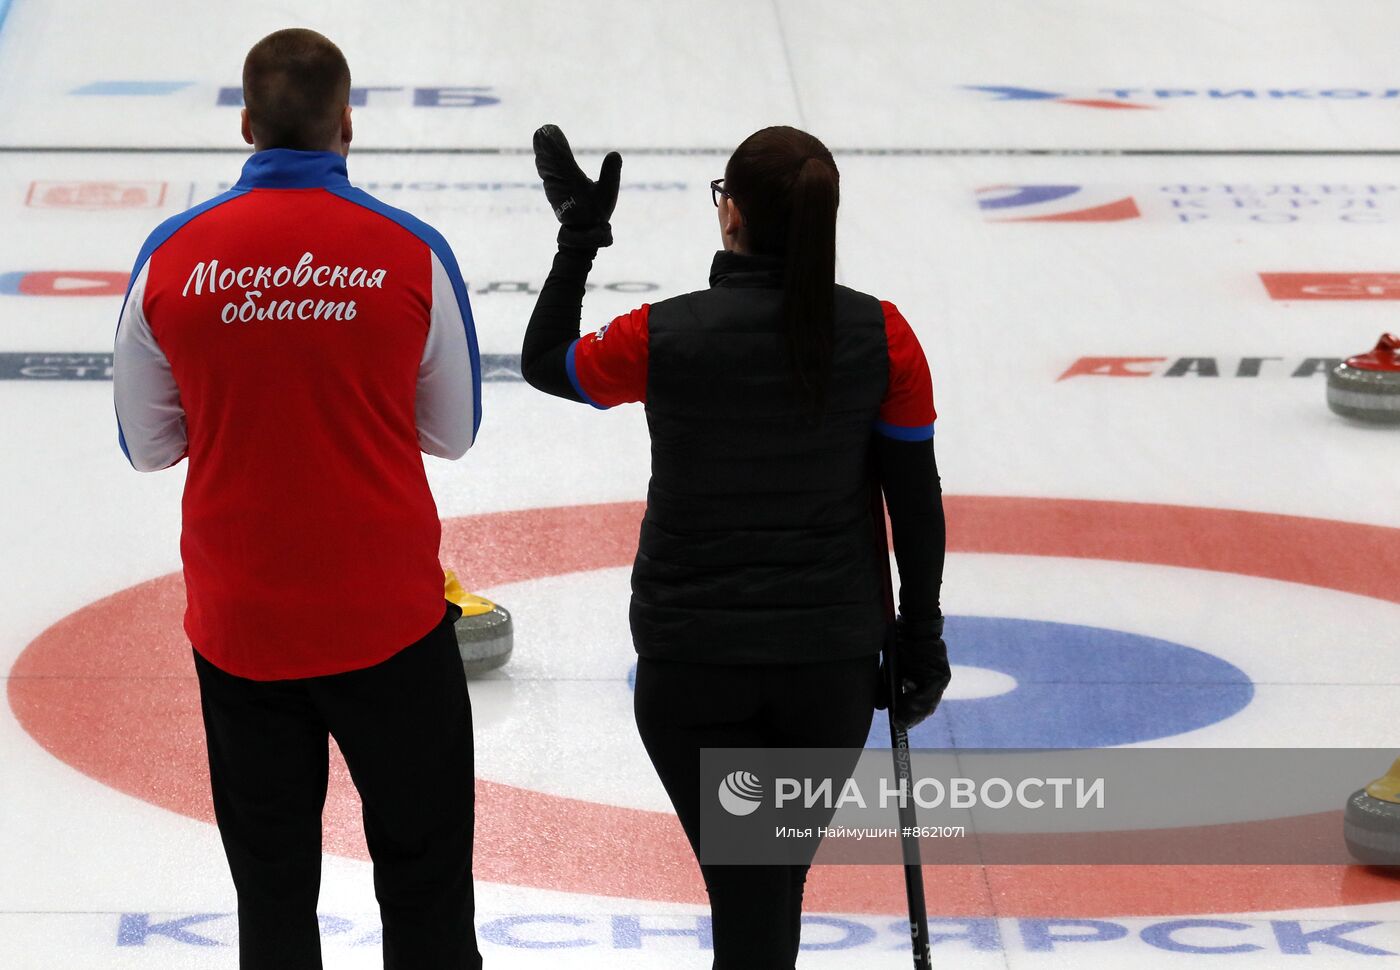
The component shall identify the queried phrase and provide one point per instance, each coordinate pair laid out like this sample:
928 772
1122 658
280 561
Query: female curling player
774 399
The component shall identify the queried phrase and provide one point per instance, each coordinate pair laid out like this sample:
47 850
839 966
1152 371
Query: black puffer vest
758 542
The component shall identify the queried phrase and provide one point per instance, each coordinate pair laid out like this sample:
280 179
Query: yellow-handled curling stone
485 634
1372 825
1367 387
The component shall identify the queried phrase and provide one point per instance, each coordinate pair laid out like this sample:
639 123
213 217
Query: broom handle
899 749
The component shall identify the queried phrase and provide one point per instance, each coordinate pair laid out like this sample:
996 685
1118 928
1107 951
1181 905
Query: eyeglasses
717 191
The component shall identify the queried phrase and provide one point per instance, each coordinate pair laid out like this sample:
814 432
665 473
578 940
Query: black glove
921 661
582 206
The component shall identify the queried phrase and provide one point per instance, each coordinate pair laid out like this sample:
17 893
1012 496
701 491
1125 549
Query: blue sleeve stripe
573 378
154 241
922 433
434 241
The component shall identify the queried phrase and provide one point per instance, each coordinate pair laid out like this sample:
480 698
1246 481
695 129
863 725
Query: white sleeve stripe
444 406
150 419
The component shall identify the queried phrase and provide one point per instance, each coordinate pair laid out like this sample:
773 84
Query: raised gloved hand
921 661
582 205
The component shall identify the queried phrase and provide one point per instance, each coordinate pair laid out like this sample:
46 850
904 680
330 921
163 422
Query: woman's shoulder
857 306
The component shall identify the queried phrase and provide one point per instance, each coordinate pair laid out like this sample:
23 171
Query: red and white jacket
300 342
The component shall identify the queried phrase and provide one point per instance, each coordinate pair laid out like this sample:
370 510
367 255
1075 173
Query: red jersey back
301 343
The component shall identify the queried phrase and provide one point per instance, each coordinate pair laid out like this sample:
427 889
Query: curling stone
485 634
1367 387
1372 823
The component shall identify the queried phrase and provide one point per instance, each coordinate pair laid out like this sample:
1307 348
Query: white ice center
972 683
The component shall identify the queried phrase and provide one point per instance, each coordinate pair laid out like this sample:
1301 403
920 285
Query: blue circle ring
1076 687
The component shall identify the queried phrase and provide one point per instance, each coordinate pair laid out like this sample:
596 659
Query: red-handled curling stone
1367 387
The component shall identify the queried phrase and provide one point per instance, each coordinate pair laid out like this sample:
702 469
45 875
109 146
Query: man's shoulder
407 220
162 233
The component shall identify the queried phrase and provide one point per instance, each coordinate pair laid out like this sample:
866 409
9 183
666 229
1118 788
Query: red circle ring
110 691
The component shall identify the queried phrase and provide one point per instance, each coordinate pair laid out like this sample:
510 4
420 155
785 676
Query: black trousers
404 727
756 911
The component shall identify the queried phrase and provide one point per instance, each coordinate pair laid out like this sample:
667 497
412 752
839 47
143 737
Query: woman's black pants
404 726
756 911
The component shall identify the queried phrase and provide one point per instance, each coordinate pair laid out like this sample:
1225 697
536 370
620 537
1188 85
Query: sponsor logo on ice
1245 367
435 96
1332 286
63 282
1052 203
55 367
1325 940
1192 203
95 195
1135 98
1001 92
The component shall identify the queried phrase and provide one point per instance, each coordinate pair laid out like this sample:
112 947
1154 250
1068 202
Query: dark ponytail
787 187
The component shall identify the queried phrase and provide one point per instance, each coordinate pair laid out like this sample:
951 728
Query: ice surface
1002 310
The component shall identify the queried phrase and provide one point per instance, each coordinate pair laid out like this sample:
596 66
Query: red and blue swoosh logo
63 283
1053 203
1001 92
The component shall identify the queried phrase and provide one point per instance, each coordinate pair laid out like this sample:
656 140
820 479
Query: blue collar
283 168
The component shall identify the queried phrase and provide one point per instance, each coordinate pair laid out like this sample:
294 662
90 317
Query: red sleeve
907 411
609 367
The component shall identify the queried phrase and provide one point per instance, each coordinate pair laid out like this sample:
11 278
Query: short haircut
296 85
